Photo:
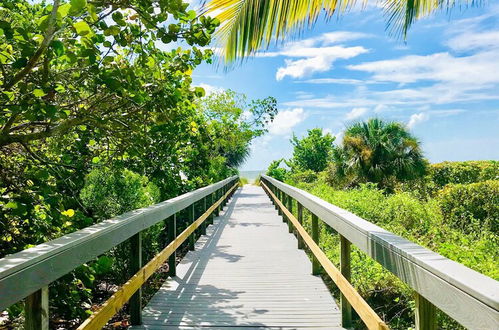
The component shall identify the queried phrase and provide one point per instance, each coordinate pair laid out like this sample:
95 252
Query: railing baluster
300 220
285 203
346 308
426 314
136 265
172 234
316 266
192 218
290 208
37 310
203 225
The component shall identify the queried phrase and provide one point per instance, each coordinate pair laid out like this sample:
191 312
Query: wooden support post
290 209
316 266
217 196
136 265
346 308
192 218
210 203
172 233
285 203
37 310
300 220
426 313
203 225
280 197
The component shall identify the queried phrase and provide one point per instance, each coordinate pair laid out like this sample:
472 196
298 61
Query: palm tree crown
379 151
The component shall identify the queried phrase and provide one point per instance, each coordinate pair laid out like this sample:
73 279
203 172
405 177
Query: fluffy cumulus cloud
315 60
356 113
466 72
316 54
285 121
417 118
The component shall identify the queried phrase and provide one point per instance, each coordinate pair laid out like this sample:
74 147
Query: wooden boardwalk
246 273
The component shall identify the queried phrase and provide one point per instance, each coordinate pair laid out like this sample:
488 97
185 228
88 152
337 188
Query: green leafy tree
379 152
233 122
86 85
313 152
274 170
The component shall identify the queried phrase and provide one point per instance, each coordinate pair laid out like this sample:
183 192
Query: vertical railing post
346 308
426 314
210 202
37 310
300 220
192 218
316 266
285 203
276 193
205 208
136 265
280 198
172 234
290 209
217 197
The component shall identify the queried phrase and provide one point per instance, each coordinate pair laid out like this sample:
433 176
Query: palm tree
249 25
380 152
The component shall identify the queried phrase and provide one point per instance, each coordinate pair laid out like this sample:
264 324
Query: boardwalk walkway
246 273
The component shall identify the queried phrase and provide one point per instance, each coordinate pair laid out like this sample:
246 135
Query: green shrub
243 181
464 172
108 193
307 176
277 172
471 207
421 221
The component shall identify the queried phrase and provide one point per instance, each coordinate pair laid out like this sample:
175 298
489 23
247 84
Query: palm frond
250 25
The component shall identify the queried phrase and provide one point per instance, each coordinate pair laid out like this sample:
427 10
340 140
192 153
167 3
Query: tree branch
49 35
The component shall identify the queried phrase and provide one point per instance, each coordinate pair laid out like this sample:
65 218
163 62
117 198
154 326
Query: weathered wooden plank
245 271
467 296
25 272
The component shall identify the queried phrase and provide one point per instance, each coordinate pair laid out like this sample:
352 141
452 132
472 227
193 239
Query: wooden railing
28 273
470 298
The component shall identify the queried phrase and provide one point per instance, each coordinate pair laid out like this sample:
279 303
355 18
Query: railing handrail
467 296
29 270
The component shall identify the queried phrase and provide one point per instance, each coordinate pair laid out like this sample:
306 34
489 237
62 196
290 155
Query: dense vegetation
451 208
99 117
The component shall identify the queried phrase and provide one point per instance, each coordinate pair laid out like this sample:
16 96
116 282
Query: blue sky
443 82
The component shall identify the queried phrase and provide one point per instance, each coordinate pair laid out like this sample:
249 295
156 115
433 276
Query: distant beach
251 175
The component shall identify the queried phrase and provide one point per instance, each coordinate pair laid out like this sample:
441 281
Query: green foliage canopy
312 152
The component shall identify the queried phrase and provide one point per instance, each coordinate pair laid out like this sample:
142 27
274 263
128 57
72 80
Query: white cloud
285 121
316 60
417 118
317 54
470 41
340 81
356 113
479 68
